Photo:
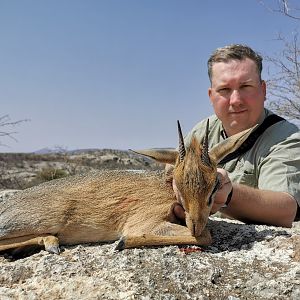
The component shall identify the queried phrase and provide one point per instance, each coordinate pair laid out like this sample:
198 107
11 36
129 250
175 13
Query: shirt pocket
244 174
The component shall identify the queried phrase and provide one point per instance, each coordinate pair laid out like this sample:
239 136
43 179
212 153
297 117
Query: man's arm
253 205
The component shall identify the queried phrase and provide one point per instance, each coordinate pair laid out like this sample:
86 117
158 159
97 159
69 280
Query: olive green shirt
273 163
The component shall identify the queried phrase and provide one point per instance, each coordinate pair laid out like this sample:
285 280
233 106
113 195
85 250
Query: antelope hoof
53 249
121 244
51 244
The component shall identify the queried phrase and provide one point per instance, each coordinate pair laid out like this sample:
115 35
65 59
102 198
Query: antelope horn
204 156
181 148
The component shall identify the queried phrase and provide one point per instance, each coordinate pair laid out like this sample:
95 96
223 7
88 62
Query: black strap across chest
252 138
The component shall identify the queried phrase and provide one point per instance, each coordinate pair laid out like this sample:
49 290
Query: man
263 184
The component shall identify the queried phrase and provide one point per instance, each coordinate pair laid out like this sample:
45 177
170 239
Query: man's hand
223 192
178 210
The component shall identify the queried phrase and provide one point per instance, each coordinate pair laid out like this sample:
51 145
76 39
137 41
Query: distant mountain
57 150
46 151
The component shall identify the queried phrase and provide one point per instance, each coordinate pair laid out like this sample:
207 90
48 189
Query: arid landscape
244 261
21 170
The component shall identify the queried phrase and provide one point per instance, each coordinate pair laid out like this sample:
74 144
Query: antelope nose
197 229
193 229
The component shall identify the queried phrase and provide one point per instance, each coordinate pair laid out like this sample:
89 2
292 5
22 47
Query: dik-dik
103 206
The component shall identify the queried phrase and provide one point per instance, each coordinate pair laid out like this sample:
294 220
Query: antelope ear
164 155
219 151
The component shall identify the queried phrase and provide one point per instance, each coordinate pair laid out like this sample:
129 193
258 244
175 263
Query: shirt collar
265 114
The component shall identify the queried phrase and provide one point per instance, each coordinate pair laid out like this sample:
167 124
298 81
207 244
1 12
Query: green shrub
50 173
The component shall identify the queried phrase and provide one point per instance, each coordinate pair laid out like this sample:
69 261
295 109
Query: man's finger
179 211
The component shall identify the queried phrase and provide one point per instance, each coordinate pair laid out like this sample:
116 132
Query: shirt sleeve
280 169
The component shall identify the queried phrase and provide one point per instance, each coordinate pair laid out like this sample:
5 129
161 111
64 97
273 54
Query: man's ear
264 87
209 92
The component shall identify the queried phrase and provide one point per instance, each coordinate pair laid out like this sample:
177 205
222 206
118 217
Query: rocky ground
244 262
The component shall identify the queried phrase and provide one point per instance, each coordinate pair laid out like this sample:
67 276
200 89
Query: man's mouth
237 112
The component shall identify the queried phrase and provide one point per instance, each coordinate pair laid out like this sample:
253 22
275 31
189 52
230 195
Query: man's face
237 94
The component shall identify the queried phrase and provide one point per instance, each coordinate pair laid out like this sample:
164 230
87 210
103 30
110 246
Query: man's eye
223 90
245 86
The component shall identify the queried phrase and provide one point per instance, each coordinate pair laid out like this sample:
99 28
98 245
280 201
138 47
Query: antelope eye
215 189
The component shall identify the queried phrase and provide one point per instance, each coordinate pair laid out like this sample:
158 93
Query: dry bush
47 174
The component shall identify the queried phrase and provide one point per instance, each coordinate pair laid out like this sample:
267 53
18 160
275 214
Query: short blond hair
234 52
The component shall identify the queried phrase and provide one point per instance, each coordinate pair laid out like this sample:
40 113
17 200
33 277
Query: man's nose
235 97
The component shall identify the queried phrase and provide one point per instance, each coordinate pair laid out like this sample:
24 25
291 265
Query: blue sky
118 73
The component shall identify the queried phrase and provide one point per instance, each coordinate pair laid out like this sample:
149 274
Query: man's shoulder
281 136
214 123
198 131
281 131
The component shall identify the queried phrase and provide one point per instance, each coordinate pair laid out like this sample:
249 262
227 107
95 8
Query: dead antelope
103 206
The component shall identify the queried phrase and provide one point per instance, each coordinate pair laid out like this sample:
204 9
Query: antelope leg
162 240
50 243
